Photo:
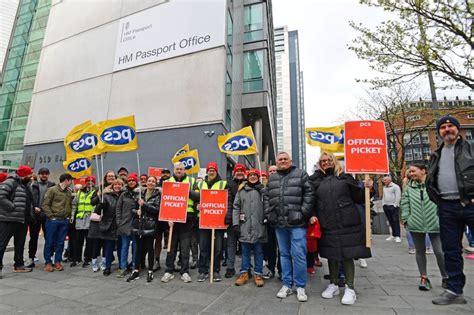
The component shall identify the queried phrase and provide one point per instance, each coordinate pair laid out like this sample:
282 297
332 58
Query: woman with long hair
420 216
343 234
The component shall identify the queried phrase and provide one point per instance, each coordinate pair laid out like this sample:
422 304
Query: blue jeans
470 236
411 244
292 247
56 231
124 251
109 246
257 257
453 218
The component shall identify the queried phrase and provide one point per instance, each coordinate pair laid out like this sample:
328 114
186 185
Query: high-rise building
18 77
290 96
8 10
187 70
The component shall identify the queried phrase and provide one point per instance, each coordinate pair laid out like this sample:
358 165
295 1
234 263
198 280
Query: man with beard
450 184
16 211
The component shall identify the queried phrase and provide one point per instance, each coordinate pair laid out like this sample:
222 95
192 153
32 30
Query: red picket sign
365 146
213 209
155 171
174 202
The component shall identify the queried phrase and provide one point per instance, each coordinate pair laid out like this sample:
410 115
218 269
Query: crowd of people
275 217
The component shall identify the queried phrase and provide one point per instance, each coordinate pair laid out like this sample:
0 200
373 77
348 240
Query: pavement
388 286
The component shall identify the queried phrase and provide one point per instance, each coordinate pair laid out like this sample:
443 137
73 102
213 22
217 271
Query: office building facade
184 82
8 10
290 96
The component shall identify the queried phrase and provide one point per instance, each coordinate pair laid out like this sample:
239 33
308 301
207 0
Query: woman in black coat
343 234
107 227
144 225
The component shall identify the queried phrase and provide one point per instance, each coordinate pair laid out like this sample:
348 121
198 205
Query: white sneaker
95 265
102 264
330 291
186 278
284 292
429 251
167 277
390 238
349 297
398 240
301 295
363 263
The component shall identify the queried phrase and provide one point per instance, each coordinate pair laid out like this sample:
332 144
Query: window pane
29 71
253 70
253 22
19 123
21 109
23 96
6 100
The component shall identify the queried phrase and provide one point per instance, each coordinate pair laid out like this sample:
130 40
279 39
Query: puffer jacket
35 190
288 202
464 165
127 202
107 227
248 213
16 201
343 234
418 212
147 224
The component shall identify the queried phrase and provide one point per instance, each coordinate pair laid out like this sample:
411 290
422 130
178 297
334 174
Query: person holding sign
144 225
248 218
182 232
211 181
343 233
288 207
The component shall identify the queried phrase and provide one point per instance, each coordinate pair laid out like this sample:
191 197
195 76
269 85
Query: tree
426 36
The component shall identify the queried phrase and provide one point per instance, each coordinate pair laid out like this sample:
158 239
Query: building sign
168 30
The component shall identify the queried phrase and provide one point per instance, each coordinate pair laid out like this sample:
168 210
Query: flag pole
102 170
139 173
97 170
213 235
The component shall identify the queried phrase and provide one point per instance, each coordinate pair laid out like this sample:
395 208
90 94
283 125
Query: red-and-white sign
174 202
213 209
155 171
365 146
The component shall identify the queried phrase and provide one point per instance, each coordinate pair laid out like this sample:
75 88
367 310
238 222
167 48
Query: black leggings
145 245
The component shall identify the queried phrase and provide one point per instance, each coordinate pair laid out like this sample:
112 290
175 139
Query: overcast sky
329 68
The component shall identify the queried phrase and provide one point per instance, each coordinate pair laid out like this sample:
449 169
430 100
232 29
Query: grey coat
248 203
127 202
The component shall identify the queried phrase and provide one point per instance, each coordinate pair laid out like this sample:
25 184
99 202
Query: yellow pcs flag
190 160
117 135
83 143
241 142
78 167
184 149
327 138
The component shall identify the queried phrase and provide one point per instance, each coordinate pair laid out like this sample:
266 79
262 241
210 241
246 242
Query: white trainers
95 265
398 239
102 264
390 238
330 291
363 263
284 292
349 297
167 277
301 295
186 278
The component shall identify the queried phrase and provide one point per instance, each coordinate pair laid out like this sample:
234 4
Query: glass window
23 96
29 70
406 139
19 123
253 22
27 83
468 135
425 138
228 102
408 155
416 139
11 75
6 100
426 152
253 70
5 112
21 109
417 154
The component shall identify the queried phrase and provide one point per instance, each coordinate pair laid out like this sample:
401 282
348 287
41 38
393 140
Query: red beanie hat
264 174
90 178
212 165
239 167
3 176
24 170
133 176
253 171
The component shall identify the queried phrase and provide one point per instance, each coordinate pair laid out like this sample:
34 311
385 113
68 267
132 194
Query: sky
328 66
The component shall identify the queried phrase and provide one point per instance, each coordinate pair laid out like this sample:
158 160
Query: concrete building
8 10
290 96
18 77
188 71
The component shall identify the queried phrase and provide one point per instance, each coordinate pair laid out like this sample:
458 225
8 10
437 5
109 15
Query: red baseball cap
3 176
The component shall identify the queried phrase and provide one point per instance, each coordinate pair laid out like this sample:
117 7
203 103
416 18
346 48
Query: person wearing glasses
343 234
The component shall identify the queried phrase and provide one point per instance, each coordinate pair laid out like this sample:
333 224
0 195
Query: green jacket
57 203
419 213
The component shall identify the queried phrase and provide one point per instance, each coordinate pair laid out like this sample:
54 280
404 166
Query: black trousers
35 228
145 245
18 232
182 233
270 251
80 237
205 247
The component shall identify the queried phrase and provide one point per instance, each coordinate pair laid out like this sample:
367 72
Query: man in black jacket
16 210
38 189
450 184
288 207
